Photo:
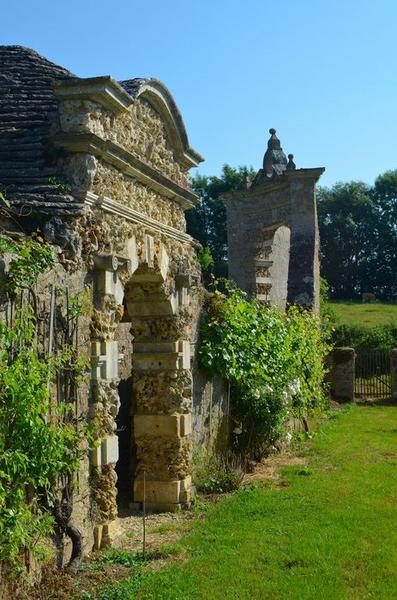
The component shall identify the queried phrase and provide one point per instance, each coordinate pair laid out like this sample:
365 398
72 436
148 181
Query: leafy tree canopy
358 236
207 222
358 230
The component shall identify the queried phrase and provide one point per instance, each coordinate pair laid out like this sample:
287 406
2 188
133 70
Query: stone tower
273 232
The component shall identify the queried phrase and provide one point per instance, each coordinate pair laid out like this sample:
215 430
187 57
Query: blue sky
322 72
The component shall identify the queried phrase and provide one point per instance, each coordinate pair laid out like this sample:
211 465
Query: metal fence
373 374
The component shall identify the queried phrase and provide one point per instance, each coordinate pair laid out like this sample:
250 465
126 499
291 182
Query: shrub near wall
273 360
381 337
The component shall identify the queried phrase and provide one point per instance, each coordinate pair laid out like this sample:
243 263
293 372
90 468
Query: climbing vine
40 438
273 360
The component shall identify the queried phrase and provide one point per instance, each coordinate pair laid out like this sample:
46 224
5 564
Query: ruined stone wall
248 216
255 217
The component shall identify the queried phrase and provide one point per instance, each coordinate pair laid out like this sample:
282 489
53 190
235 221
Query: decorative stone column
393 370
105 357
162 423
342 363
159 310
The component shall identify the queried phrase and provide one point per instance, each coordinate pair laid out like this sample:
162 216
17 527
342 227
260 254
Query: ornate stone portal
273 237
102 169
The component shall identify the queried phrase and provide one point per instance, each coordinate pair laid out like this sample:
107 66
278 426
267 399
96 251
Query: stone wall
211 412
120 158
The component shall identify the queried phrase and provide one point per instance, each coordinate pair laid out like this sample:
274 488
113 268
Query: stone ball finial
272 131
291 166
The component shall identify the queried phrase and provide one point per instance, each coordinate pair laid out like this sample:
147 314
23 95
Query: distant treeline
358 231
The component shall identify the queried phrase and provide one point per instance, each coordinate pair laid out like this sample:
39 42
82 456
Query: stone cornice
127 163
112 206
161 99
314 173
103 90
108 93
278 184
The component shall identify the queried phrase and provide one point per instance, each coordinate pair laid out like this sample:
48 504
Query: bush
381 337
216 473
274 361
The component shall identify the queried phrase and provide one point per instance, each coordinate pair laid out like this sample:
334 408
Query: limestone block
184 354
184 298
159 308
174 301
110 450
96 457
97 537
108 534
156 361
155 347
164 262
162 492
104 359
108 283
132 254
160 425
185 424
149 251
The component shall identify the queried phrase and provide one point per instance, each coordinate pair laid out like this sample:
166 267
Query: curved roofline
158 95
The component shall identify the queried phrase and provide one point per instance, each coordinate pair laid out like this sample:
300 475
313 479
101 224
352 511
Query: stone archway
143 320
158 309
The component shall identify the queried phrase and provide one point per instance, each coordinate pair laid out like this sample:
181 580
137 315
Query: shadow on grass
387 401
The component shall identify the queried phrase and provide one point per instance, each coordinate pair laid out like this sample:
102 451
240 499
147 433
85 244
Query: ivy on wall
273 360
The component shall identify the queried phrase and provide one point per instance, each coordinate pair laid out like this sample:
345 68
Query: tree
207 222
384 194
348 221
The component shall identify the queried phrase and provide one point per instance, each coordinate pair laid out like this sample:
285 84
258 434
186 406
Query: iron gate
373 374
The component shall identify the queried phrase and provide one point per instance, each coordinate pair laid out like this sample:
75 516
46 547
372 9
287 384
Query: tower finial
274 161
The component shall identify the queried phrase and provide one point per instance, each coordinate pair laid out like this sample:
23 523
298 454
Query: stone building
101 169
273 237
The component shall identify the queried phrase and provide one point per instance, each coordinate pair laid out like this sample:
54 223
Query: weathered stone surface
114 164
142 131
162 493
130 192
342 373
275 220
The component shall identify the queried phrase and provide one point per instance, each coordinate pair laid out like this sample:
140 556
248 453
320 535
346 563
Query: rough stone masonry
100 168
273 236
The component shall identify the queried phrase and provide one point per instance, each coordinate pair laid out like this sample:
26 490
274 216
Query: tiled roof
28 111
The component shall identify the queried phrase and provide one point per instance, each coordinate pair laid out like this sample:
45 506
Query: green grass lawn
357 313
329 533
